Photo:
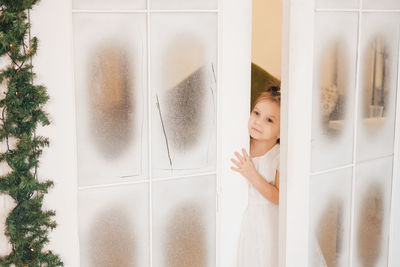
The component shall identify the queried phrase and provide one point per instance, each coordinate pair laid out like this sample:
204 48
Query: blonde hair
273 94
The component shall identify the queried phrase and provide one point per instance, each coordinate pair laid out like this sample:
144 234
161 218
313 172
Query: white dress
258 240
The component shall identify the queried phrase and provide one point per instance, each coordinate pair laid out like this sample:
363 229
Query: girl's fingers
239 157
246 156
235 169
237 163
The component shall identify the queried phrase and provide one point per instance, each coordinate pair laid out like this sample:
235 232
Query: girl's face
264 122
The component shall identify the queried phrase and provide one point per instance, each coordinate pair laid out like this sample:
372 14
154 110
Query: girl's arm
267 190
247 169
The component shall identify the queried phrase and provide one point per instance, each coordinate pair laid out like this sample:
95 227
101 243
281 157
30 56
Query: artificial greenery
21 107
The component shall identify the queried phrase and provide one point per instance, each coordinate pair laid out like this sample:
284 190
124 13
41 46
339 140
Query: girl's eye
269 120
256 112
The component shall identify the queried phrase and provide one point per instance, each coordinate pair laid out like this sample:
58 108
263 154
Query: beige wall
267 35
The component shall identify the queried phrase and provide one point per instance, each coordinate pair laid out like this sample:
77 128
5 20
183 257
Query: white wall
267 35
51 23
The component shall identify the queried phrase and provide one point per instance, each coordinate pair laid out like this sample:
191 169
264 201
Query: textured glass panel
378 84
184 4
109 4
337 3
114 226
333 92
110 95
372 212
183 67
184 222
381 4
330 203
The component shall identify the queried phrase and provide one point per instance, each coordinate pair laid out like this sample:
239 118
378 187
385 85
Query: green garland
27 225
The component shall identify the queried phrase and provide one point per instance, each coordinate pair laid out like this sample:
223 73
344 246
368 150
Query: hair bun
274 89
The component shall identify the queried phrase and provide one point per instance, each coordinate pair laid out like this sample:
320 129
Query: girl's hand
244 165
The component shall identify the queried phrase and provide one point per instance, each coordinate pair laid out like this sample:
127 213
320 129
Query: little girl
258 241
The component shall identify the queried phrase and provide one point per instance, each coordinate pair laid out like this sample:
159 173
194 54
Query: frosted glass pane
114 226
333 89
372 212
184 4
110 95
337 3
378 84
330 203
183 84
184 222
381 4
109 4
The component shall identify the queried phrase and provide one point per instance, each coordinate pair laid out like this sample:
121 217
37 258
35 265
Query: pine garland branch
27 225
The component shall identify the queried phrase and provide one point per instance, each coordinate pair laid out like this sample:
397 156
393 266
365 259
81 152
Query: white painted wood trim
394 232
234 108
297 73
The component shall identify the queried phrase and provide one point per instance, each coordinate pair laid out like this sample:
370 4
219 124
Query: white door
146 83
132 207
341 120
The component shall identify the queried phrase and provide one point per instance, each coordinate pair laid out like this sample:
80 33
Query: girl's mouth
258 131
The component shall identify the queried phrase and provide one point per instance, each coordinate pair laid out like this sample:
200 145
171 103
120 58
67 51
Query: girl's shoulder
270 154
275 151
277 148
276 154
268 163
277 158
273 159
